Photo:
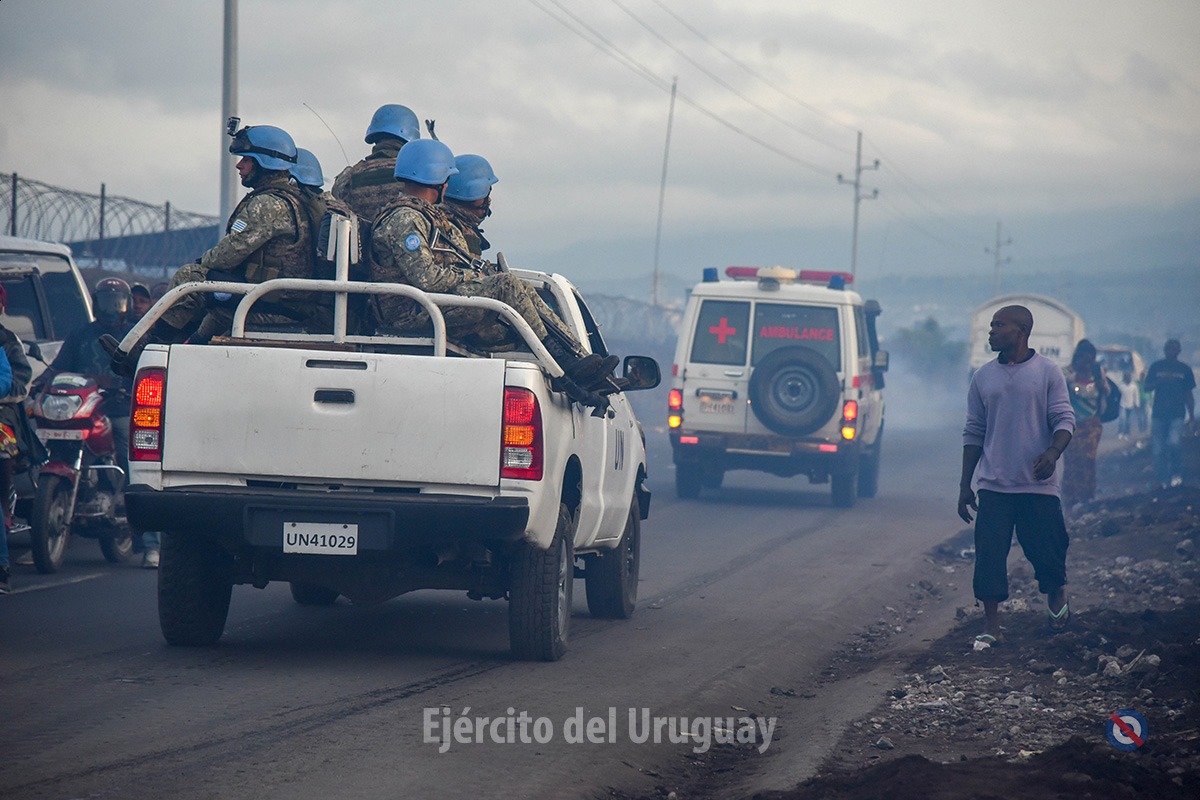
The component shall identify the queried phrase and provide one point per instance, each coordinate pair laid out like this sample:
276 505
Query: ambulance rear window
816 327
720 336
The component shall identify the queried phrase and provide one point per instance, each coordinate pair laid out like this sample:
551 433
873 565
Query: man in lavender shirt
1019 421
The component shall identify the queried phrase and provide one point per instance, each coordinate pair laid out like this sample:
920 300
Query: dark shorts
1041 532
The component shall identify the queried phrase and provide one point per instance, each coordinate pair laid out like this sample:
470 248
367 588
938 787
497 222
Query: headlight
61 406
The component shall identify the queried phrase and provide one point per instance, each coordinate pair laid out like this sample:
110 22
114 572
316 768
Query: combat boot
580 369
125 364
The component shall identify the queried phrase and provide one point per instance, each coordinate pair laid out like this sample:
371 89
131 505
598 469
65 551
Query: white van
47 298
778 371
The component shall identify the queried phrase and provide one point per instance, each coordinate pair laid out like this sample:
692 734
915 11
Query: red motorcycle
80 490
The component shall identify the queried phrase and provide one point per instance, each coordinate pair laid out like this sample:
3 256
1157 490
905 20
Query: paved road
750 587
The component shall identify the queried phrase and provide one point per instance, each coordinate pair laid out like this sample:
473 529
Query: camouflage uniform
268 236
370 184
401 252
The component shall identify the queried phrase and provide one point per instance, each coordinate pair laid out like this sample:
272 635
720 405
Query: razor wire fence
105 231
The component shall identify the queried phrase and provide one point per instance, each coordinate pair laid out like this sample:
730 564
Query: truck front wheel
193 590
611 577
539 595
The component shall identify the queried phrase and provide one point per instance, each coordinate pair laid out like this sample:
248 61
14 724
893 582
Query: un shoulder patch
238 225
412 242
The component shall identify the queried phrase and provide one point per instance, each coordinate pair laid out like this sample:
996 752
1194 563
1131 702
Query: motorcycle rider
81 353
16 435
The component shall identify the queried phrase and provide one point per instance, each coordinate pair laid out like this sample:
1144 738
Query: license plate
47 435
320 538
724 406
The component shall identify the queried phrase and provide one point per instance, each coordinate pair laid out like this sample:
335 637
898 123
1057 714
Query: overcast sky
1075 123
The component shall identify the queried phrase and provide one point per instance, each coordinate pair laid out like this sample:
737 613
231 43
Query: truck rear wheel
310 594
611 577
193 590
539 596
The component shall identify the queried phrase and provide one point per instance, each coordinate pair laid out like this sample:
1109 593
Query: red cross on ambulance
722 331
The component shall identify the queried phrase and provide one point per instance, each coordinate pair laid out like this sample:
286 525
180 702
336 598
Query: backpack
323 214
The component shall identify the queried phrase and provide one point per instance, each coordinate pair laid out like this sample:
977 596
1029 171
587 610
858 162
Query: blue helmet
307 169
425 161
271 147
393 121
474 179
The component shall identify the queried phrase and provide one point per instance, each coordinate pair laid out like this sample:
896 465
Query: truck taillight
675 408
146 416
849 416
521 436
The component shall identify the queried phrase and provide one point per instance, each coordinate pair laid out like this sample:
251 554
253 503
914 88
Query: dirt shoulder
1027 717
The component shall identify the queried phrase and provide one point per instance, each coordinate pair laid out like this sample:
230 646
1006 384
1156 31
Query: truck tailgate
267 411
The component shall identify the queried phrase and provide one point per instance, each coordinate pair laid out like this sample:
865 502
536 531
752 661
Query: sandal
1059 621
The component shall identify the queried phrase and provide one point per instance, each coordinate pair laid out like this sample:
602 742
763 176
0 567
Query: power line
632 63
721 81
751 71
905 183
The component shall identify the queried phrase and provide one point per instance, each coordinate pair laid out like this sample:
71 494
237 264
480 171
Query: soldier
308 174
413 242
268 236
370 184
469 200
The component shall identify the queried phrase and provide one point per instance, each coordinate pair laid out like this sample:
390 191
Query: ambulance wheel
844 488
868 469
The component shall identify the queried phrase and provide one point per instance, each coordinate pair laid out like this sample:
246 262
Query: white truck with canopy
368 466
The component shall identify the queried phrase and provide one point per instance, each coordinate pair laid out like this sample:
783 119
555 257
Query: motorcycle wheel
49 531
118 548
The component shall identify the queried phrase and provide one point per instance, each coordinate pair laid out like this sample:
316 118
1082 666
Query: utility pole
662 189
228 109
858 198
999 260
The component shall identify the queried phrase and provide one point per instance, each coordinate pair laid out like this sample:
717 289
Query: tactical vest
404 313
281 257
371 184
459 257
322 210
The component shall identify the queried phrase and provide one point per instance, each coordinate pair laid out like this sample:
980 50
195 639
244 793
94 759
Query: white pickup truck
370 466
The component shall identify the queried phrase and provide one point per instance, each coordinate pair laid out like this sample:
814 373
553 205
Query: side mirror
881 360
641 372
